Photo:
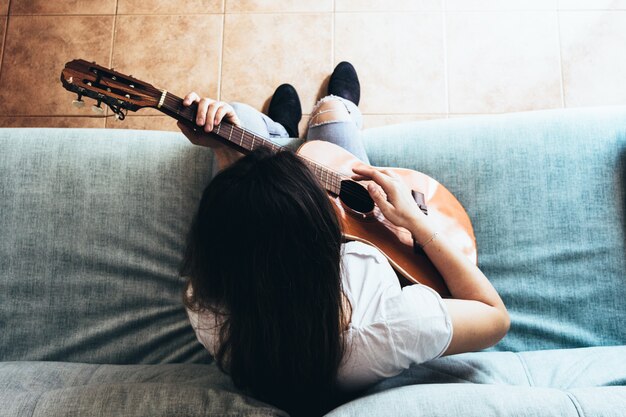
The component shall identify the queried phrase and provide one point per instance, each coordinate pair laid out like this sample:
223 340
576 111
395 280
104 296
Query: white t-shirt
390 328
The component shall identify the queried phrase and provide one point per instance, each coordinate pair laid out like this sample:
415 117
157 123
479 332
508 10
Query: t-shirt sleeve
420 325
391 327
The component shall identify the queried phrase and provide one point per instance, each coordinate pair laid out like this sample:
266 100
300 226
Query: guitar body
396 243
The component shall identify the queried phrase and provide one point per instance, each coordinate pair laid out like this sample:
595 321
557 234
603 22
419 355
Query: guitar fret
252 145
231 132
241 140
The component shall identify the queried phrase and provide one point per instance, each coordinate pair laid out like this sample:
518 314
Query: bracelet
429 240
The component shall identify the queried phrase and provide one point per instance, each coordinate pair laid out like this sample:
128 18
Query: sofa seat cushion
564 382
445 400
75 389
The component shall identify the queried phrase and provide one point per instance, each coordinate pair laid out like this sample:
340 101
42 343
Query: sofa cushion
444 400
546 194
564 369
563 382
92 226
74 389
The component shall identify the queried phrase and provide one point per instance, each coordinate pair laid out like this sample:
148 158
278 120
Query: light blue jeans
345 133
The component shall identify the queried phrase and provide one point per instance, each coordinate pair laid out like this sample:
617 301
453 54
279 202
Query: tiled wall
417 59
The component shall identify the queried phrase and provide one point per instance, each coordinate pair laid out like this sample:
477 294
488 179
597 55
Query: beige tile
65 7
247 6
168 55
379 120
143 123
29 82
592 4
482 5
170 7
52 121
399 58
593 65
387 6
3 23
275 49
503 61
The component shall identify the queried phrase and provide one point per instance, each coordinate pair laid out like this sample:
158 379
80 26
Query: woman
292 313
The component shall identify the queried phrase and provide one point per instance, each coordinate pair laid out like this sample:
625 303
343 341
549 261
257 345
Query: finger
201 113
375 175
210 115
220 113
379 198
391 173
190 98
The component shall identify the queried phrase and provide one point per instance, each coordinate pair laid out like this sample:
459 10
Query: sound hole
355 196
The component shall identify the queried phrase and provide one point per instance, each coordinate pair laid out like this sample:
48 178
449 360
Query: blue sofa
93 223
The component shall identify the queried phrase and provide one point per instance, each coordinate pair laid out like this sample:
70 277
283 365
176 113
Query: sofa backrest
546 194
92 227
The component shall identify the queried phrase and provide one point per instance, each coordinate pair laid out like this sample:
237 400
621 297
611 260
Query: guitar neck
242 139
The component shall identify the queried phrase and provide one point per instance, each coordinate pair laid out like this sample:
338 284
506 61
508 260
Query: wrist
422 232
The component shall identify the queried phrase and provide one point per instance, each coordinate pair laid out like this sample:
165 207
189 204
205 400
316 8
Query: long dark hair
263 253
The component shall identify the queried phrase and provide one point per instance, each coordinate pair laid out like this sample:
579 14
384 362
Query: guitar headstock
120 92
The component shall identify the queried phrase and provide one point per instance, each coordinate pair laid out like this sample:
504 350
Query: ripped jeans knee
339 121
332 109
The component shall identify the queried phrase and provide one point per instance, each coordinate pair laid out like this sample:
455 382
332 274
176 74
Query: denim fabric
74 389
545 193
346 134
258 122
92 226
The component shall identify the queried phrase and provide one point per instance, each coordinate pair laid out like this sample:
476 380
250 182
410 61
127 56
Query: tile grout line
117 3
332 44
221 61
390 11
558 29
4 40
444 15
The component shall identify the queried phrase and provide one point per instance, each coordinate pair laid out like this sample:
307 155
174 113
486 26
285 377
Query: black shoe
285 108
345 83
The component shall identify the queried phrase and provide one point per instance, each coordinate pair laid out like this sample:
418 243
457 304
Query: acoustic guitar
332 165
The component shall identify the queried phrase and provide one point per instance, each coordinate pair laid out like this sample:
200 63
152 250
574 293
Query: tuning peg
78 103
97 109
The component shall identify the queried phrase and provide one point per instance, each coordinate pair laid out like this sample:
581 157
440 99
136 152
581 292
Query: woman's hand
390 194
210 114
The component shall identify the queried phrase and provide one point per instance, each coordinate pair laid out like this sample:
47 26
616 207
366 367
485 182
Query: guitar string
173 101
251 137
358 197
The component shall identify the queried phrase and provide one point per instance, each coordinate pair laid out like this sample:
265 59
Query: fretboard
244 140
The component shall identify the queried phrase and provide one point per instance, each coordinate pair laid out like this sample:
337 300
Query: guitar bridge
420 200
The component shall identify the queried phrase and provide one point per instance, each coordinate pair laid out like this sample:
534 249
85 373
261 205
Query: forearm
464 279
